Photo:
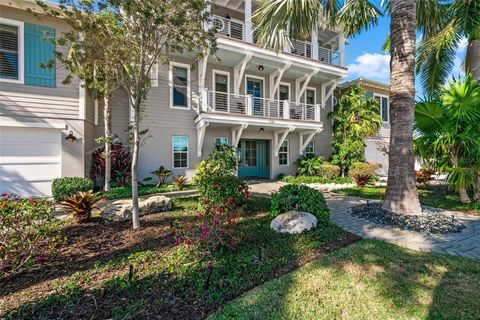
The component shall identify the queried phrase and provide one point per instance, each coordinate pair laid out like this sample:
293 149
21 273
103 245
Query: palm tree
436 53
278 20
448 134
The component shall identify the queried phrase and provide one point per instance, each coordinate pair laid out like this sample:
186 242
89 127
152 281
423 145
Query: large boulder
293 222
121 210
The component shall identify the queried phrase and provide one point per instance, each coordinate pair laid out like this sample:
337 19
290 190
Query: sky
365 58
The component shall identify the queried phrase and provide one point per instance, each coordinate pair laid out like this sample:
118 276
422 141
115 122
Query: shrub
162 175
301 198
206 169
180 182
362 172
121 161
308 166
81 204
28 225
66 186
221 162
329 171
217 190
316 179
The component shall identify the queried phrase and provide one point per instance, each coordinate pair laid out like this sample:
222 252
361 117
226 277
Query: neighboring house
376 148
272 106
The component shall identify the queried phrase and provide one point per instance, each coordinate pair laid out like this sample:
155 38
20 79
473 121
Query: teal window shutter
39 50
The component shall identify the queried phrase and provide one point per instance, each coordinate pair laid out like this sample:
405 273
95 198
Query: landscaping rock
430 221
121 210
294 222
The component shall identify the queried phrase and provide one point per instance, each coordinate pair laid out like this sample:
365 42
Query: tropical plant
27 226
121 162
354 118
180 182
81 204
363 172
329 171
301 198
216 190
224 157
448 134
162 175
309 166
450 23
65 186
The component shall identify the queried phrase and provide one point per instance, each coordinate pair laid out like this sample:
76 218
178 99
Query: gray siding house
271 106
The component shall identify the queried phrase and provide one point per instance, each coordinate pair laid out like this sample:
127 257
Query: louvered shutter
38 50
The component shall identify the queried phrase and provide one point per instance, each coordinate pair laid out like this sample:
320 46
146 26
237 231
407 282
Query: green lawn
438 197
315 179
367 280
126 192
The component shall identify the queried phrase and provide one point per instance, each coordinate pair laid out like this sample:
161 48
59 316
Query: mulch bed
97 242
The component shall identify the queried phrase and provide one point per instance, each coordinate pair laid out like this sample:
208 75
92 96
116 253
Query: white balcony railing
248 105
301 48
230 28
330 56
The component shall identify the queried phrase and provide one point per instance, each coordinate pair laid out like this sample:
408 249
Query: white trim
96 112
287 152
388 105
188 152
200 137
21 50
215 139
154 75
287 84
82 101
258 78
314 95
306 145
225 73
46 123
237 134
239 72
170 78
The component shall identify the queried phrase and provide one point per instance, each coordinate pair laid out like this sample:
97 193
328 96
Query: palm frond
358 15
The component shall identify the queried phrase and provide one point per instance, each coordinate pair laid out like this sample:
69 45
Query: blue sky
365 57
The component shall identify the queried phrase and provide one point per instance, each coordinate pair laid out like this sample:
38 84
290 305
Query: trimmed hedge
301 198
66 186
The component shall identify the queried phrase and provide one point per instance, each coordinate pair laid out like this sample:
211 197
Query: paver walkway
465 243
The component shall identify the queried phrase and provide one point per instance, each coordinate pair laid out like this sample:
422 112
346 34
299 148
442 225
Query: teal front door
254 160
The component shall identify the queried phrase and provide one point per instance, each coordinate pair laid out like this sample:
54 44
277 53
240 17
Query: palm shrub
363 172
81 204
300 198
66 186
448 134
162 175
309 166
180 182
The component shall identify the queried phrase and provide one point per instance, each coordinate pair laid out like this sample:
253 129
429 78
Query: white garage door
29 160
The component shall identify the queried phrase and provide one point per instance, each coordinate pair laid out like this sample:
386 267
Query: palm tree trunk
401 195
462 191
472 59
107 120
476 195
136 146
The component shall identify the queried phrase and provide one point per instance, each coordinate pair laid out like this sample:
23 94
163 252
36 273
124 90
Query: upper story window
11 50
384 106
180 85
310 96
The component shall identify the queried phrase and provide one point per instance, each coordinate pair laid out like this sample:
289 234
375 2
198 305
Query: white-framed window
384 106
310 95
220 141
179 77
11 50
180 152
283 154
221 86
310 149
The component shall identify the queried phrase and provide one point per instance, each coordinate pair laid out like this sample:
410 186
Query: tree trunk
462 191
107 120
472 59
401 195
476 195
135 149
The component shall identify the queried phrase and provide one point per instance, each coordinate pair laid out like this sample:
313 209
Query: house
271 106
376 148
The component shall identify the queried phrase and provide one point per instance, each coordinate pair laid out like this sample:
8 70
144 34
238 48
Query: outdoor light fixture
260 68
71 137
261 130
227 17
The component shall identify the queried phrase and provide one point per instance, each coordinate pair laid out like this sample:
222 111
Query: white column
315 43
248 21
249 105
341 49
286 109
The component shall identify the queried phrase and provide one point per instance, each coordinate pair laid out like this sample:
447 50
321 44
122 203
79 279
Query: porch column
315 43
248 21
341 49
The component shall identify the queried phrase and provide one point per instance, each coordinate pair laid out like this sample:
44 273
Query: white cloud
375 66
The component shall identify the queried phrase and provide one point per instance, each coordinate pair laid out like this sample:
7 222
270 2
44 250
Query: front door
255 88
254 160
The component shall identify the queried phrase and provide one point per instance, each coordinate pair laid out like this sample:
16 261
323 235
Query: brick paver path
465 243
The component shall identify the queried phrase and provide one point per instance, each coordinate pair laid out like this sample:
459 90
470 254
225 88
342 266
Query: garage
30 158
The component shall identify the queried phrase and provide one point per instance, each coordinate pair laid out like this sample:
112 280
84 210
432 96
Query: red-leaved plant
216 228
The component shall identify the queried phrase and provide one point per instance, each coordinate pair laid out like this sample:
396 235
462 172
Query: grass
367 280
169 277
438 197
315 179
126 192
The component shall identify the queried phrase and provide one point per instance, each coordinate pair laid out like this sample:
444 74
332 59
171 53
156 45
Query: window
283 154
220 141
384 107
310 96
250 153
220 86
11 50
283 92
310 149
180 151
180 85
